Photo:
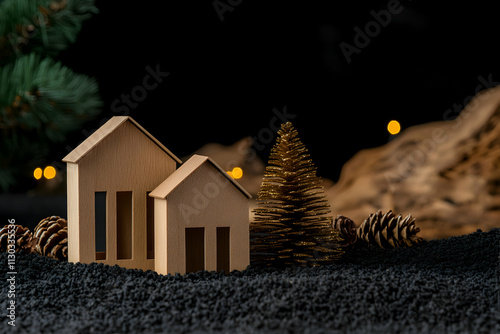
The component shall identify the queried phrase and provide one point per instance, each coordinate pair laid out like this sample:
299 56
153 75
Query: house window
150 225
223 249
100 225
195 249
124 225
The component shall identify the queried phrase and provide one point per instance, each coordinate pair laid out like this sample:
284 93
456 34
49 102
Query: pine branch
42 26
37 92
40 102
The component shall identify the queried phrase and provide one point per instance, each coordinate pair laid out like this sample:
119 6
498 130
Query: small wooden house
110 176
202 214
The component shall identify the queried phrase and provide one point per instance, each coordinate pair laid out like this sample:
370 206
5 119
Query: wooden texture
161 240
120 156
93 140
200 194
74 213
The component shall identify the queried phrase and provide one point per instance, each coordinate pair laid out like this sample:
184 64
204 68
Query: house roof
177 177
88 144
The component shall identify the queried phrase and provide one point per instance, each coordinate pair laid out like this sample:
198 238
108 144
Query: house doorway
223 249
195 249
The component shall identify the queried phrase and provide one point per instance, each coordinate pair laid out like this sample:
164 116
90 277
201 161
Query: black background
227 76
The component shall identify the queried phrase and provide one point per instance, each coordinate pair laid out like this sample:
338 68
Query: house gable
183 172
109 127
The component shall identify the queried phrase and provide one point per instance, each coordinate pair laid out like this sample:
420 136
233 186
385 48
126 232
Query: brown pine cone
347 230
388 231
52 234
25 243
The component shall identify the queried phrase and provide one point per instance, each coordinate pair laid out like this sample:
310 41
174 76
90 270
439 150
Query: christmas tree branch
43 26
40 102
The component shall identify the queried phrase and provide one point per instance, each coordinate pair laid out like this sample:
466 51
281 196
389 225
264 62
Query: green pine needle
40 102
36 92
42 26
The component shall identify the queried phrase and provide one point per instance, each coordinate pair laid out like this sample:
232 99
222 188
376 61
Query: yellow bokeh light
38 173
393 127
237 173
49 172
230 174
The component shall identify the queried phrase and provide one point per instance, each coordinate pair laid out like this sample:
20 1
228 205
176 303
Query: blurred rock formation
446 174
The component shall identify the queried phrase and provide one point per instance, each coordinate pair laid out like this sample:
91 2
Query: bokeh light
38 173
49 172
237 173
393 127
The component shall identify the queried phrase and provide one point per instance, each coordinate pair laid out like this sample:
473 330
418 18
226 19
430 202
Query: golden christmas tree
291 226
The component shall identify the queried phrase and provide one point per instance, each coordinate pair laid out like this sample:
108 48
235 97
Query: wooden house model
206 216
126 189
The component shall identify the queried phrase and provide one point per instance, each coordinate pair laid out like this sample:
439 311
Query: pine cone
347 230
52 234
388 231
25 243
